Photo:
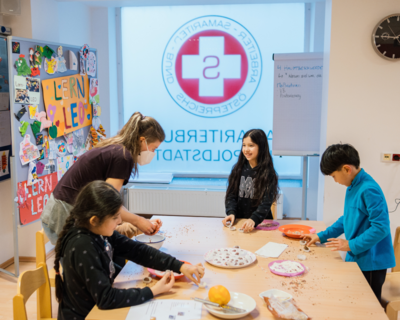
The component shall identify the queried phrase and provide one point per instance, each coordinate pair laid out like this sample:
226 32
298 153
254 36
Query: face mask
145 157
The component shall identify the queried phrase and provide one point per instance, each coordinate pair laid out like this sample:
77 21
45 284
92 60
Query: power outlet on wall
390 157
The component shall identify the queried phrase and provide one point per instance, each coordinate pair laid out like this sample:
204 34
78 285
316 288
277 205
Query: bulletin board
59 118
5 124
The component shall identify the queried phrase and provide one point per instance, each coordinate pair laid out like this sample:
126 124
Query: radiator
200 203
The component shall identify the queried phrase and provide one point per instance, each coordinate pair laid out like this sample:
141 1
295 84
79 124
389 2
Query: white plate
238 300
244 256
277 293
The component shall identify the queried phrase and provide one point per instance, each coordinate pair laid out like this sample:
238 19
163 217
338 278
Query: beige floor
8 289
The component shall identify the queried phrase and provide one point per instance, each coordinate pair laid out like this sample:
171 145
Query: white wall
360 104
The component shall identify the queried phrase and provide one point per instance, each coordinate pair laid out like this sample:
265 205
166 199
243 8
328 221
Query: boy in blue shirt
365 221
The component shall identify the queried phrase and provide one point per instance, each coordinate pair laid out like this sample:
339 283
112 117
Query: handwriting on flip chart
292 78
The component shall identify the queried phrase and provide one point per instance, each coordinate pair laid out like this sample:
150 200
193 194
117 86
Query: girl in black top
253 182
87 245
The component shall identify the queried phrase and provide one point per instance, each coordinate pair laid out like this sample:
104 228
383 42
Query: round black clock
386 37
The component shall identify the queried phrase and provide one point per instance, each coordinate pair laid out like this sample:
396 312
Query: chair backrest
273 210
396 246
28 282
41 240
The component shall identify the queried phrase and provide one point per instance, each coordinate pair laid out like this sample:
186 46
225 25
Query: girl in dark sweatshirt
253 183
87 245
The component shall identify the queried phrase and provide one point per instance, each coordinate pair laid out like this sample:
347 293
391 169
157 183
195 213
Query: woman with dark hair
112 160
253 183
88 245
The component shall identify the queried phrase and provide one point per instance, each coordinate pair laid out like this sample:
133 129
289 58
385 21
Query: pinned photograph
21 96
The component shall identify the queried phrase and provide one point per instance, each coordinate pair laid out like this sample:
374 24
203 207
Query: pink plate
283 273
275 225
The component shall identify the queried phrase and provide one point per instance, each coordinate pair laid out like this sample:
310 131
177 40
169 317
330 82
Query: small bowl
155 241
238 300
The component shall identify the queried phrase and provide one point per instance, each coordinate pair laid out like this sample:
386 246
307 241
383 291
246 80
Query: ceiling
143 3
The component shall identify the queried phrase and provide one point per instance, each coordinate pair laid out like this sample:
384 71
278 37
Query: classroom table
333 289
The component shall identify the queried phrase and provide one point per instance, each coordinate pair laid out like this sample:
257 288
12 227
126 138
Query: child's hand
164 284
157 224
311 238
230 218
248 226
188 270
338 244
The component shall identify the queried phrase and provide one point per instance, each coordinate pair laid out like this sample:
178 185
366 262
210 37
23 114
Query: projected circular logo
212 66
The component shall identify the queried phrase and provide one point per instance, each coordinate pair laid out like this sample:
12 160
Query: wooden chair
273 210
28 282
41 240
391 287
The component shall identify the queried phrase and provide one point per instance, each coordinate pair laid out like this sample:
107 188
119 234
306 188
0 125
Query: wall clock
386 37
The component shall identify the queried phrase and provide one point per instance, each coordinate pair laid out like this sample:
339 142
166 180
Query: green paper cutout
22 67
47 52
38 56
22 129
53 131
35 126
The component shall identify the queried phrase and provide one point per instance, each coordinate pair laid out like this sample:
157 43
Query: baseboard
7 263
10 261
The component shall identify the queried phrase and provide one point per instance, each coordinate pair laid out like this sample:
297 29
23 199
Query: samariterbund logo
212 66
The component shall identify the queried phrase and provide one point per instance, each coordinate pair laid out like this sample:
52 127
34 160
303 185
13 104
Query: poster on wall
66 101
32 199
5 153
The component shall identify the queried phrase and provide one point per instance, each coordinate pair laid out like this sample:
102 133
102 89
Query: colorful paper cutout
4 163
35 72
61 148
32 112
63 165
94 96
41 154
69 137
35 197
32 174
47 52
35 126
53 131
22 67
27 151
73 62
78 145
83 56
31 58
40 167
27 90
38 56
20 113
50 65
46 146
24 126
41 116
61 67
66 101
39 139
16 47
91 64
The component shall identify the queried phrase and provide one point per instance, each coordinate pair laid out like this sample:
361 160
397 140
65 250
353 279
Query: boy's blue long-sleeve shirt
366 225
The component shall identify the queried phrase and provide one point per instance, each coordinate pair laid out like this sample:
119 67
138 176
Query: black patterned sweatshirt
86 272
242 205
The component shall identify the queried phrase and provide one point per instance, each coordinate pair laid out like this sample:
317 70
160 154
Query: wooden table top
332 289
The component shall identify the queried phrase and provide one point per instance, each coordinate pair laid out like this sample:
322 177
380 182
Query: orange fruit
219 294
